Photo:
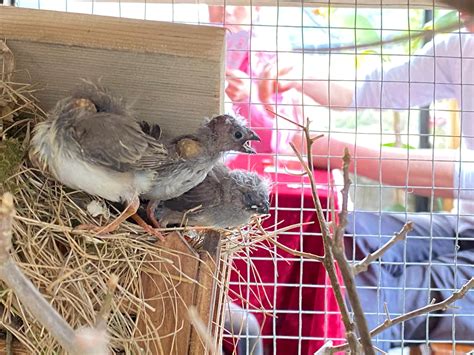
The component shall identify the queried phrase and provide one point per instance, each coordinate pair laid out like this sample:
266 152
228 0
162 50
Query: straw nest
71 267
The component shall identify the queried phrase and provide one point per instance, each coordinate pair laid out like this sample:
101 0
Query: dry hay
71 267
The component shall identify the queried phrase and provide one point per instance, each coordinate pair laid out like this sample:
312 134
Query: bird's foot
150 213
152 231
147 228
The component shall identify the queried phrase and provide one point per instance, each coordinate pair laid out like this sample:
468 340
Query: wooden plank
207 291
173 74
170 302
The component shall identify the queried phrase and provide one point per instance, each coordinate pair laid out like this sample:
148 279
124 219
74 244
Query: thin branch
286 119
202 330
401 235
346 269
103 315
296 252
26 292
341 226
81 342
328 260
432 307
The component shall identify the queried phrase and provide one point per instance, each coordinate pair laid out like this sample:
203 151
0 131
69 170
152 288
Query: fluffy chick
92 142
225 199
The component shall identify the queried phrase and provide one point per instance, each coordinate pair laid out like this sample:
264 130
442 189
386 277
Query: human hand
238 85
271 82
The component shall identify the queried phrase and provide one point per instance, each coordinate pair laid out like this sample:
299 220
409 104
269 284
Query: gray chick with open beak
225 199
93 142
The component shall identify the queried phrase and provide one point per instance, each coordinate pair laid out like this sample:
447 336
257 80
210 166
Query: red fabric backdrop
292 286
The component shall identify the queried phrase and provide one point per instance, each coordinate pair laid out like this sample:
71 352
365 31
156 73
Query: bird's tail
100 96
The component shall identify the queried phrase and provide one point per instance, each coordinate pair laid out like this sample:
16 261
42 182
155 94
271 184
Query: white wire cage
283 48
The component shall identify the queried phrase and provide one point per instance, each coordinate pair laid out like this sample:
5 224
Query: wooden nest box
172 74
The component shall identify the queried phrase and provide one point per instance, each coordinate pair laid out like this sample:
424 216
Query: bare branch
83 341
432 307
346 269
26 292
364 264
296 252
341 226
286 119
328 260
103 315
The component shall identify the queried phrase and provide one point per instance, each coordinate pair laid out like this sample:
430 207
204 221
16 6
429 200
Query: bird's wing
207 194
117 142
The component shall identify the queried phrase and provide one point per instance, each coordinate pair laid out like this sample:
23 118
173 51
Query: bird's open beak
252 136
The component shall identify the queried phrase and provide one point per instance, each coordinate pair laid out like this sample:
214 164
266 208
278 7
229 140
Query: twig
84 341
346 269
364 263
103 315
201 329
26 292
432 307
296 252
328 260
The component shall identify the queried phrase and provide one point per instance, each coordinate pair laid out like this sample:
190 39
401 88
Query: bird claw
154 232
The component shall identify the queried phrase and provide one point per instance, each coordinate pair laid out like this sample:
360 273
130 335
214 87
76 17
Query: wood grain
172 74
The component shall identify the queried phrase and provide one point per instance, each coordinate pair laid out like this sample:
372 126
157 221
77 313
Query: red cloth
298 281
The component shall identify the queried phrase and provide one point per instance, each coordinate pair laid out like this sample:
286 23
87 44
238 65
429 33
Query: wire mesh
360 98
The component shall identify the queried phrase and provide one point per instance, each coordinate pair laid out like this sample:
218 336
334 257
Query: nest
71 267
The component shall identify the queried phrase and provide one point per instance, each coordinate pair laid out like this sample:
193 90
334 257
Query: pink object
291 286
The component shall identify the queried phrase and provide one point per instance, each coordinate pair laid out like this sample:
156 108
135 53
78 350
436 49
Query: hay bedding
71 267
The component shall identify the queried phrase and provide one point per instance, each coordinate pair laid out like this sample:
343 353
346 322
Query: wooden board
171 301
173 74
171 296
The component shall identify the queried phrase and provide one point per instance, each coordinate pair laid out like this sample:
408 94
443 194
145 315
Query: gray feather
226 199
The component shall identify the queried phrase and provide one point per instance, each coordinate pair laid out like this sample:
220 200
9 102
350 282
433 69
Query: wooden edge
207 291
104 32
177 323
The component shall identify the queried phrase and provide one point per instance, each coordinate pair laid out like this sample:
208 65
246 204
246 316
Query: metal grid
276 27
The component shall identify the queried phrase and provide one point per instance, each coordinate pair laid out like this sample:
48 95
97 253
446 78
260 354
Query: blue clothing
434 261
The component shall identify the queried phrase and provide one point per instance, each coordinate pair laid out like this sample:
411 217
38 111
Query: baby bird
225 199
91 141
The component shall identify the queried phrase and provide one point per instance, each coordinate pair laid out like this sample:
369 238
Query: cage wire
276 38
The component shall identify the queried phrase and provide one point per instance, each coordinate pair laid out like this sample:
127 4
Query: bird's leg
112 226
150 213
147 228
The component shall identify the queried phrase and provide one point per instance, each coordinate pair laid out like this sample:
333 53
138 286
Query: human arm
424 172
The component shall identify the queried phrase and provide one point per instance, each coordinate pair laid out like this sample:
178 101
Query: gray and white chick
225 199
91 141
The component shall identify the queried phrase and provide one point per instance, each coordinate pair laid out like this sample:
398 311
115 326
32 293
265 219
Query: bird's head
232 134
254 191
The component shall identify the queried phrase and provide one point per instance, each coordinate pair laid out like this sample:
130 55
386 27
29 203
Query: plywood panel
171 73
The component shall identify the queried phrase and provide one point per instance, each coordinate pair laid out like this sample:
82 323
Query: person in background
248 70
437 257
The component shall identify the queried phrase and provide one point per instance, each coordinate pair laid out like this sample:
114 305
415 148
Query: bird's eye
238 135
